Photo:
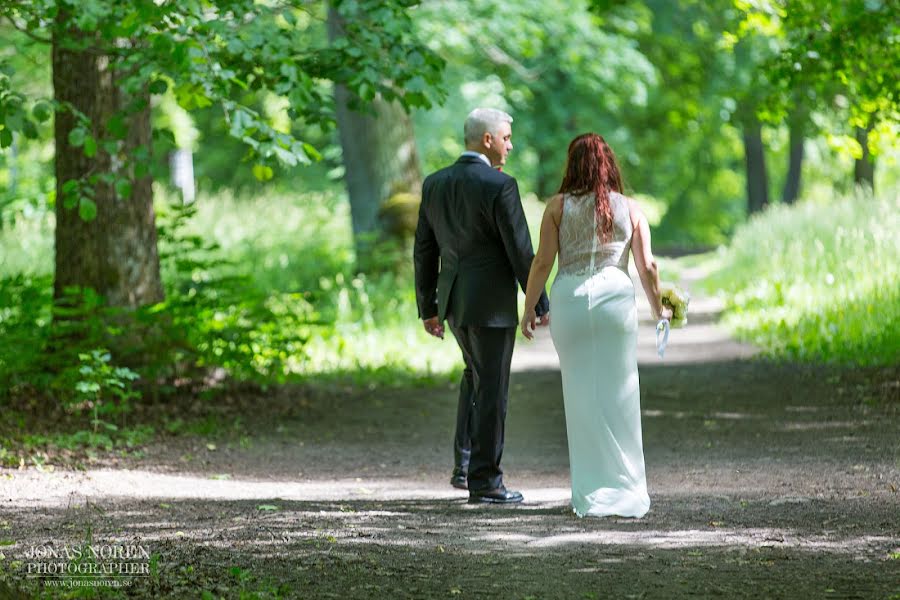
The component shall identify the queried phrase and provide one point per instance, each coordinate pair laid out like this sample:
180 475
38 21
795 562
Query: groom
472 246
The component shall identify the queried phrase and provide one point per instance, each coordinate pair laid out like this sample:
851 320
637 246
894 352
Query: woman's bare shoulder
555 200
634 210
632 203
555 207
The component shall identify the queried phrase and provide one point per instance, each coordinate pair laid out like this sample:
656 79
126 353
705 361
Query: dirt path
766 481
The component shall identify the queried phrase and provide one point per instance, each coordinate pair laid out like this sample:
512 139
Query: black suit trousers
483 394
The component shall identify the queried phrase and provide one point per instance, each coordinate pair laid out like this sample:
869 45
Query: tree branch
31 35
499 57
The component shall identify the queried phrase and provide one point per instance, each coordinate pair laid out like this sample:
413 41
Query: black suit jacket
472 245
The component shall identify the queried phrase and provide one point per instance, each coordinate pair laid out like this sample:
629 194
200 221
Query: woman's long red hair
591 167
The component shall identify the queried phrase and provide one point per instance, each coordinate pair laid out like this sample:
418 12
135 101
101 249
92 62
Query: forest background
199 194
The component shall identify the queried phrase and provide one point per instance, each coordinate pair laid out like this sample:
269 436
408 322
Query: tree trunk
864 167
379 155
543 183
755 160
791 190
115 254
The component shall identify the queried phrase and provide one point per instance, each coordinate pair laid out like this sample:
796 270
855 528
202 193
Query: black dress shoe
459 482
500 495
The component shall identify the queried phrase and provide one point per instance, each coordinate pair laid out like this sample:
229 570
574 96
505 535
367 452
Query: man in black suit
472 246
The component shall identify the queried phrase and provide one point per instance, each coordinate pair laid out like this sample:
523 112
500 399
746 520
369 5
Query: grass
304 245
818 281
366 327
359 329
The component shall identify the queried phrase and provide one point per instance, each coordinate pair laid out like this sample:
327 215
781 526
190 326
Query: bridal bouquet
676 299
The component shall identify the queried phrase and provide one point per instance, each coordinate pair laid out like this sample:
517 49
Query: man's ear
486 139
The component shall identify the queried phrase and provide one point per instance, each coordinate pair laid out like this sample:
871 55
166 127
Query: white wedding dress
594 328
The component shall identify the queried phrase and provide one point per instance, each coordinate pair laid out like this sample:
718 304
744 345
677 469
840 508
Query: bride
594 326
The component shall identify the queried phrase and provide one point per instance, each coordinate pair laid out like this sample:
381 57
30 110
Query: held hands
434 327
666 313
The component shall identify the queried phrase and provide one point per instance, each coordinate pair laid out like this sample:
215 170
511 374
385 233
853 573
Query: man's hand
434 327
544 320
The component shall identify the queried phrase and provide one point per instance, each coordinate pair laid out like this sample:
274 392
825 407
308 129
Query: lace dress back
580 250
594 329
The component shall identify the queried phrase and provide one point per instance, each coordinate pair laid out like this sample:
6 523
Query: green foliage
848 48
105 438
554 68
103 388
818 281
265 289
666 82
229 55
686 139
24 90
213 315
16 116
364 326
25 313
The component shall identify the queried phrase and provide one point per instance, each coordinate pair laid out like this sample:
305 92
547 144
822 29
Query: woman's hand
666 313
529 320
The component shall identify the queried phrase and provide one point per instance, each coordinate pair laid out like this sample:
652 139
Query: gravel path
766 480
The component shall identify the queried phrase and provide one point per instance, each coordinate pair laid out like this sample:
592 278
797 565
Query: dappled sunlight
512 538
677 414
744 538
311 527
821 425
217 243
847 440
731 416
680 414
325 526
124 483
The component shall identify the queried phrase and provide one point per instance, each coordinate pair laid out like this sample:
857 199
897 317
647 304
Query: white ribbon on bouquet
662 327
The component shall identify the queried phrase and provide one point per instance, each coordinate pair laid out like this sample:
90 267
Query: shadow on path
766 480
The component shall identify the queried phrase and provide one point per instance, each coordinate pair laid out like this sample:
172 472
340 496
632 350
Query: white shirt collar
484 158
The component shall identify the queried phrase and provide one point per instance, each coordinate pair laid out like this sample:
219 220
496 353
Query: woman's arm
543 262
645 263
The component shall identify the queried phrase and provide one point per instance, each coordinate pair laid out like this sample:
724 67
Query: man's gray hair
483 120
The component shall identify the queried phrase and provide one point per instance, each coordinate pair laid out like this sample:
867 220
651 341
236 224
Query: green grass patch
258 290
818 281
265 287
368 324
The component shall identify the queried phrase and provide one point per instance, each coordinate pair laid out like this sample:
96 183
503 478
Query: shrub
818 281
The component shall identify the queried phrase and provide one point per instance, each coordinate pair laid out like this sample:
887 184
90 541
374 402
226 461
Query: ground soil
767 480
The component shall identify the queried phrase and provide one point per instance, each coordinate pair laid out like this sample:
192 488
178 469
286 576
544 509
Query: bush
266 289
818 281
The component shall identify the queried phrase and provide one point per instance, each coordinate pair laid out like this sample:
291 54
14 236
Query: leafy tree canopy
218 52
847 48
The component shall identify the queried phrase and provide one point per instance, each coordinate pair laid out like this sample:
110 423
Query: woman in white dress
592 227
